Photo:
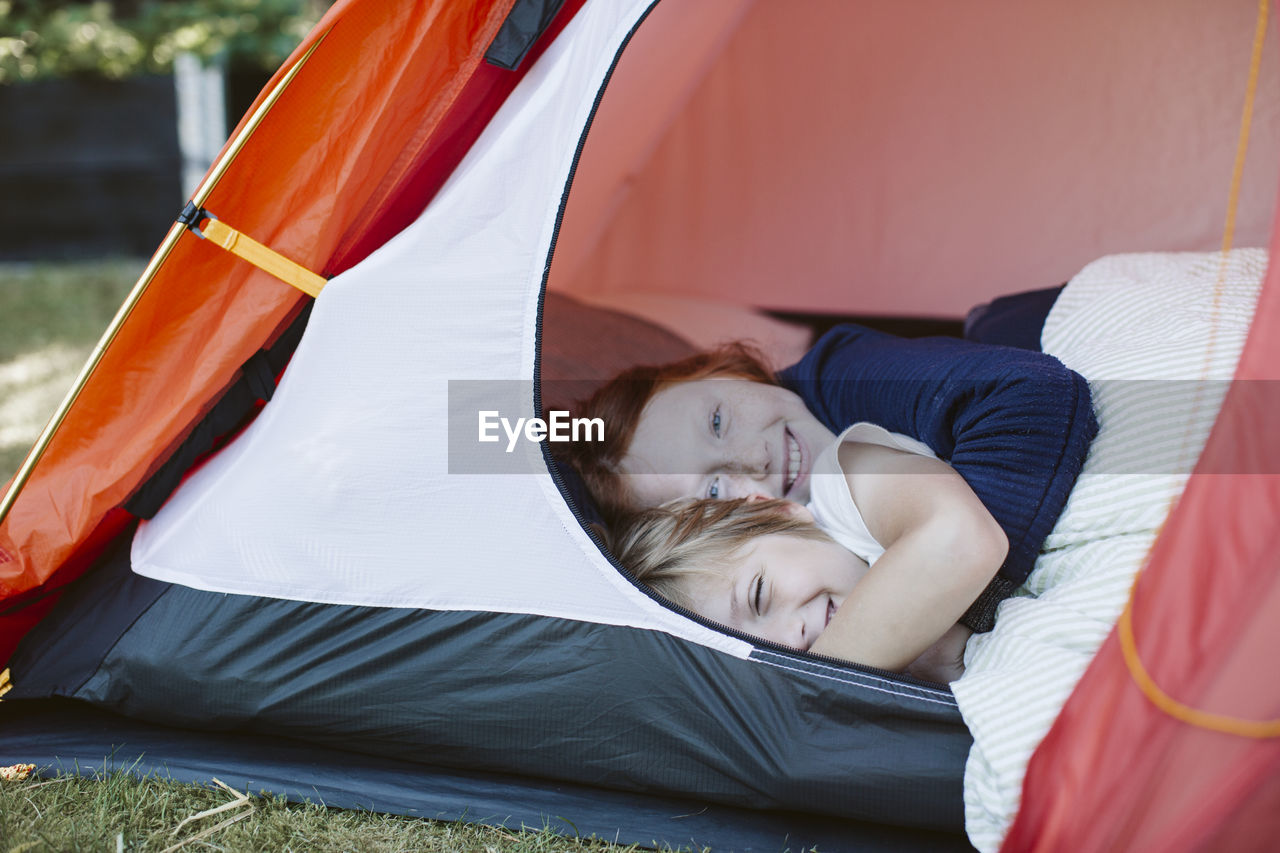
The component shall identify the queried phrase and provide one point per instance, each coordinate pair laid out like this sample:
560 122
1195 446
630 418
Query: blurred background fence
110 114
113 111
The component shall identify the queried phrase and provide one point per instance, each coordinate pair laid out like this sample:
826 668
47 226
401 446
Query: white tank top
829 499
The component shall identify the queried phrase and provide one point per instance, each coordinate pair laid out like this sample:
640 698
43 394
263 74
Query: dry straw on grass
116 811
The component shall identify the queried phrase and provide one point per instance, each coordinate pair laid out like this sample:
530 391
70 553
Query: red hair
621 402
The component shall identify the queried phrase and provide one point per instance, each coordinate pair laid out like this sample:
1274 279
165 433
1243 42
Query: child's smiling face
723 438
780 587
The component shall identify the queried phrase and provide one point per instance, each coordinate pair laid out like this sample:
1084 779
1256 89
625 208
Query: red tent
958 152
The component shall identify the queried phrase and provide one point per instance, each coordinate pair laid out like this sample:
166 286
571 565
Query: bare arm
942 547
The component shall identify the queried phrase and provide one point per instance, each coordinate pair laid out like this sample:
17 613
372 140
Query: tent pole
135 295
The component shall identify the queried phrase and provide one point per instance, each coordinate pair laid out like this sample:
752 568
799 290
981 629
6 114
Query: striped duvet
1156 335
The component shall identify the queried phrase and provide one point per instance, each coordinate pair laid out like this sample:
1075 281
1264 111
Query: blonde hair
666 547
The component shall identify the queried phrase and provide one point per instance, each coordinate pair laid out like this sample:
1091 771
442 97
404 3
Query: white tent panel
347 489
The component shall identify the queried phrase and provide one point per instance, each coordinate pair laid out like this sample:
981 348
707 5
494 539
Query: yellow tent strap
254 252
5 684
1128 644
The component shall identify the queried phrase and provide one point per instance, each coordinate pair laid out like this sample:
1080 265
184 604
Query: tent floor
68 736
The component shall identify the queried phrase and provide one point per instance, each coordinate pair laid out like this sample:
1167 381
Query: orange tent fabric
343 160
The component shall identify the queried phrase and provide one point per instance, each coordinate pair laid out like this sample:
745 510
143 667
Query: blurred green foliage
39 38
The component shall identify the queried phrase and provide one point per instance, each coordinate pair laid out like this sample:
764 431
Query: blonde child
877 569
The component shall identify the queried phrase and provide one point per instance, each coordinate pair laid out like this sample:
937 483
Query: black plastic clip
191 216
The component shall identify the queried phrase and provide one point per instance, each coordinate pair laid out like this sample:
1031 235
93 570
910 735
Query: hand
944 660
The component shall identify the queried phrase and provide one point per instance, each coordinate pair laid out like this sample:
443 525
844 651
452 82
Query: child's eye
715 422
713 490
759 593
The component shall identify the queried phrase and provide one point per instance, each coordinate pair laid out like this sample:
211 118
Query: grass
51 315
121 813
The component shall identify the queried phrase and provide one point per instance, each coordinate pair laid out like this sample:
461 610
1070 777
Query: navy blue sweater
1015 424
